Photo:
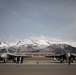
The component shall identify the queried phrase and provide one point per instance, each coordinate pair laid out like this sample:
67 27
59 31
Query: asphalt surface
30 67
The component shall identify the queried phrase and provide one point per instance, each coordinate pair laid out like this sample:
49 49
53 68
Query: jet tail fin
7 50
16 51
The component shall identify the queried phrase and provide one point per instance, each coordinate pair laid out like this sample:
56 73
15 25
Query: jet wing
13 55
73 56
56 56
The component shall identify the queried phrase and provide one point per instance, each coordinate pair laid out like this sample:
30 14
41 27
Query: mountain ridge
38 45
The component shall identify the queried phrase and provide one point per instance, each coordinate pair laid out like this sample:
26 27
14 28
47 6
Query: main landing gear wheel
4 61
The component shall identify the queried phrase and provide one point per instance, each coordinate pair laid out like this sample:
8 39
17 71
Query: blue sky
21 19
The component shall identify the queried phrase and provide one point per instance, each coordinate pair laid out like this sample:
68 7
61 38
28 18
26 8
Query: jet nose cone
3 56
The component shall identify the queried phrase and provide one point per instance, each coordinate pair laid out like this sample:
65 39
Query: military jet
66 56
11 56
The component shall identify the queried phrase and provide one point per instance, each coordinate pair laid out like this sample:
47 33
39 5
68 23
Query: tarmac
43 67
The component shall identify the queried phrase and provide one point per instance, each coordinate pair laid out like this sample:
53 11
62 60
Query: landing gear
72 61
61 61
14 60
4 60
69 62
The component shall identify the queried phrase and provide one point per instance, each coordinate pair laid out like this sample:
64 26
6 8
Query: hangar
35 54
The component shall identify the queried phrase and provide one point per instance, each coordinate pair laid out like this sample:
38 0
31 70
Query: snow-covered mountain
2 44
43 44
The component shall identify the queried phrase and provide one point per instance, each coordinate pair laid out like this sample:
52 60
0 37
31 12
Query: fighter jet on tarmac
11 56
67 56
